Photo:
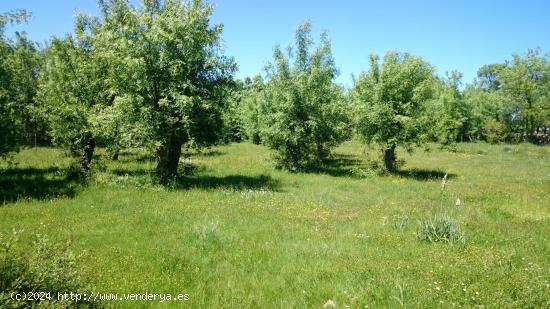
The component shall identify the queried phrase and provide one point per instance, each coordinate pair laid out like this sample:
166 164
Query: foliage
168 72
488 77
440 229
484 106
389 102
20 63
74 89
27 62
525 81
452 112
249 108
511 99
232 119
47 268
302 111
494 131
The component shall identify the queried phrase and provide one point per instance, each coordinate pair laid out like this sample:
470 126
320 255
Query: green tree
524 82
169 74
450 111
302 110
233 125
74 89
488 76
249 108
487 115
27 62
511 99
390 102
19 65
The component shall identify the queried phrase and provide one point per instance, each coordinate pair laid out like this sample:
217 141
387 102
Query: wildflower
444 181
329 304
458 203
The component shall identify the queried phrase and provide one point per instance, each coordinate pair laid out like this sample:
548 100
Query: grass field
239 234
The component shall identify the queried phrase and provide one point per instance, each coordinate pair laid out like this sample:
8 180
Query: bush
440 229
400 221
494 131
48 267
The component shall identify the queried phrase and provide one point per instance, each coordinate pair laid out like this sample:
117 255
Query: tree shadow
35 183
338 165
132 157
235 182
423 174
197 180
131 172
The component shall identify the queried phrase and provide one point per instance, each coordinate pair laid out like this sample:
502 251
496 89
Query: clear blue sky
462 35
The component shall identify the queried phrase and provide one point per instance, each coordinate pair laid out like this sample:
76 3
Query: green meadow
238 233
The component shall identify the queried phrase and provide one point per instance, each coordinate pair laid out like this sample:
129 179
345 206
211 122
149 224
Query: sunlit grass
239 233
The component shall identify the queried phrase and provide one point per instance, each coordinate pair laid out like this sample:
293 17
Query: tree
524 81
27 62
511 99
249 108
390 102
451 112
302 110
487 114
169 74
233 125
74 89
19 63
488 76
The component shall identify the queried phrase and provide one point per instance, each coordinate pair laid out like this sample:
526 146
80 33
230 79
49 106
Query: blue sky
461 35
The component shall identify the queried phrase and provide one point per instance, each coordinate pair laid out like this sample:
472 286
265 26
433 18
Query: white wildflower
329 304
444 181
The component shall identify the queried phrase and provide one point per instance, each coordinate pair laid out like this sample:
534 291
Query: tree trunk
168 157
88 154
320 152
114 155
389 159
256 138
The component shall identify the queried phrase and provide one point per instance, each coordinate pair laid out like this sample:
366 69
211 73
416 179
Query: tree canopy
389 102
20 64
168 72
302 113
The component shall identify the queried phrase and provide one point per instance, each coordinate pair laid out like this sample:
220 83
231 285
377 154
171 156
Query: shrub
440 229
494 131
48 267
400 221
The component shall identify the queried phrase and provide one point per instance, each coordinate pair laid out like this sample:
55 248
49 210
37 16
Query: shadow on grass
349 166
132 157
34 183
423 174
196 180
338 165
130 172
236 182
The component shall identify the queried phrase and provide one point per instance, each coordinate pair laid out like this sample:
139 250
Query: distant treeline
156 77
